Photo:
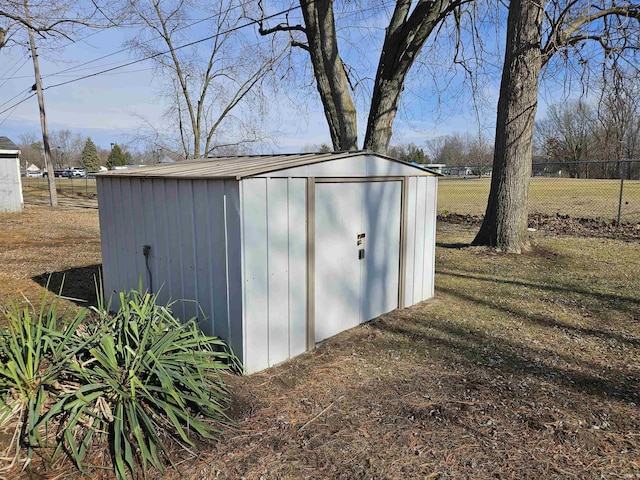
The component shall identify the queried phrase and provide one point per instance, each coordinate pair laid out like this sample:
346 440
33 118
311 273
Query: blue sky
108 107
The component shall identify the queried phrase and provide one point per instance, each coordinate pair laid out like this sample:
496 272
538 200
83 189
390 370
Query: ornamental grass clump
140 381
34 352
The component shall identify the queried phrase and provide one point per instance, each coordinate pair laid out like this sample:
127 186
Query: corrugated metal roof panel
241 166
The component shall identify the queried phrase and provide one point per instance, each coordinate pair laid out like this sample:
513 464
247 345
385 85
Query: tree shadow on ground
78 285
613 301
500 355
454 246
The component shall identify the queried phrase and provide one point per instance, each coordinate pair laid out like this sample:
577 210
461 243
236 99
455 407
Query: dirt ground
521 367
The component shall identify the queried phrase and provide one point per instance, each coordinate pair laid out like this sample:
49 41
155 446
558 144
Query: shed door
350 288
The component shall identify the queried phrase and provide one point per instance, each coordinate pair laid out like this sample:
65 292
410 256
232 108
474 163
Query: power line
211 37
14 72
14 97
195 42
148 41
13 107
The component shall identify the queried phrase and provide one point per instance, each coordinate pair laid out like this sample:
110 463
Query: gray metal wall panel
297 266
410 241
117 235
278 265
256 274
420 254
274 270
159 260
10 185
206 226
174 244
381 223
107 242
136 226
184 223
148 206
430 237
420 223
187 249
233 252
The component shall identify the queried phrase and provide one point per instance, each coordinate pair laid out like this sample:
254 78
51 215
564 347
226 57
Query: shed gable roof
246 166
7 145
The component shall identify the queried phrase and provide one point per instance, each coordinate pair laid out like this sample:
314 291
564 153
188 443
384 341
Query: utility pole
53 196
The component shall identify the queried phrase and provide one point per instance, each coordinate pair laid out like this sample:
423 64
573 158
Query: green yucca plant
144 379
34 353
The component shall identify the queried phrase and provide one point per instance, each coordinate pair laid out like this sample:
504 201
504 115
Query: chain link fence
72 192
601 190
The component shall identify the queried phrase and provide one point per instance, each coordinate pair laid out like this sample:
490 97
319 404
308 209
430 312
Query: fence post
620 170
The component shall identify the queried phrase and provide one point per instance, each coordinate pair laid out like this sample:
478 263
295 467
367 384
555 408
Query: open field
579 198
521 367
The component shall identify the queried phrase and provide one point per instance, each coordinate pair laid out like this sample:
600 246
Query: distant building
33 171
459 171
11 199
434 167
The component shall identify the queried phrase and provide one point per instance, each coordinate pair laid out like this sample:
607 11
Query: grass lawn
521 367
581 198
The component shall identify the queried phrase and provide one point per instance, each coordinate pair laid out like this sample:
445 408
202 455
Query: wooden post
53 196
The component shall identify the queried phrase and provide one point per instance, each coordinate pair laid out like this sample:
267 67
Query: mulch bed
562 225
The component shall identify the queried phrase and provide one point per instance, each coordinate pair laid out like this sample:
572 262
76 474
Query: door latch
360 243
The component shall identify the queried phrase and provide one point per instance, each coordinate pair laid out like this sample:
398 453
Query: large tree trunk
330 75
405 36
505 221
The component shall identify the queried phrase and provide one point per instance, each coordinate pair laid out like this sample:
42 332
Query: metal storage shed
10 182
279 252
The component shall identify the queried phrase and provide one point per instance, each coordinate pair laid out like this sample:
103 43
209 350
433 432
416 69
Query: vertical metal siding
194 236
278 264
10 185
431 184
410 235
207 234
107 242
419 220
256 274
297 261
274 270
189 242
421 227
233 260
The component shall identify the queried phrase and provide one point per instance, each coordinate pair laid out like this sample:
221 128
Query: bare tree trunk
404 38
505 221
330 75
51 178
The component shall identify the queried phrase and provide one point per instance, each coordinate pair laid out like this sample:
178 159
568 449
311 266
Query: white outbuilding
11 199
273 253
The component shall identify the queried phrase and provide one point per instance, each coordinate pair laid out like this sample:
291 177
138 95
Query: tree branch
563 37
282 27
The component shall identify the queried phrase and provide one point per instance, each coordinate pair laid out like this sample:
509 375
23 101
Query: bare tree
30 150
461 150
51 20
619 114
568 133
205 86
67 147
536 32
410 24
